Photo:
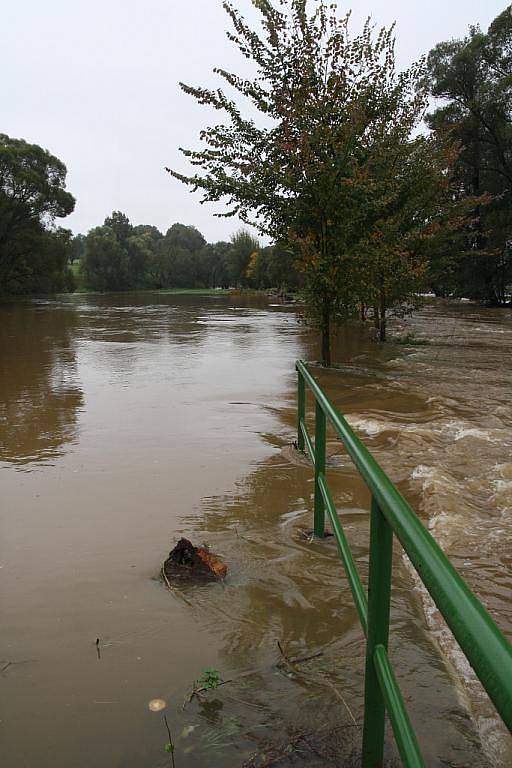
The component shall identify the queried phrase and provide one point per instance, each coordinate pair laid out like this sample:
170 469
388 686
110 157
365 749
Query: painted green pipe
379 595
301 410
402 728
486 648
306 439
320 437
353 577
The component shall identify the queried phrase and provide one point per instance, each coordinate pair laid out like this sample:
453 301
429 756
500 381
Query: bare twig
268 755
198 691
171 588
283 654
341 698
171 742
302 659
8 664
292 664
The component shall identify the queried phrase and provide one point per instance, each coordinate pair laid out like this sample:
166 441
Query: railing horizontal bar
351 571
402 728
307 440
486 648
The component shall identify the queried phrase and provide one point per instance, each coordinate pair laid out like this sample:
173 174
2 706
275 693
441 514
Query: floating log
190 563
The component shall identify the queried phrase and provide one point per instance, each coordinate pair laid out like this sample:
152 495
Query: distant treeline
36 256
120 256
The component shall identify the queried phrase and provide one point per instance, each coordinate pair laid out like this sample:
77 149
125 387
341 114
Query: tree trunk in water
376 320
382 323
326 335
363 312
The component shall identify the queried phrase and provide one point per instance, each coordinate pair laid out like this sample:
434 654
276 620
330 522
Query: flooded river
127 421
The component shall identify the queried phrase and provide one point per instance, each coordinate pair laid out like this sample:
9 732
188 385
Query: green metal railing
486 648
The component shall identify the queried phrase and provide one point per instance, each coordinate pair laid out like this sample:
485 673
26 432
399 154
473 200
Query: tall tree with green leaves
32 196
409 202
303 170
77 249
473 78
213 265
120 225
243 247
105 266
185 237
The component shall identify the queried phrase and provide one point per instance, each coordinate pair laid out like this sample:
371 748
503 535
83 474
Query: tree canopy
473 78
329 164
33 195
119 256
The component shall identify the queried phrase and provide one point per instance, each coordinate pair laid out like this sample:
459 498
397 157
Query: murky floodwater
128 420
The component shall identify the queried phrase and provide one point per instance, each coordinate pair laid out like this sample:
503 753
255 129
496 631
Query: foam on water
456 525
370 427
492 732
456 454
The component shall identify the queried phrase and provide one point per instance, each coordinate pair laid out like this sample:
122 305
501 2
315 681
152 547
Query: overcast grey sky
96 83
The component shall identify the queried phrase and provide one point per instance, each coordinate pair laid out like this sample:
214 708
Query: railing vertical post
379 592
320 424
301 409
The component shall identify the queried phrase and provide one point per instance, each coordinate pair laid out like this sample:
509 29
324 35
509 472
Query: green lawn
80 287
201 291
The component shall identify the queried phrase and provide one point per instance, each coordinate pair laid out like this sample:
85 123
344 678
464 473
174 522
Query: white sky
96 83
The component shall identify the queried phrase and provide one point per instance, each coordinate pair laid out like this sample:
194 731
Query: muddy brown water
129 420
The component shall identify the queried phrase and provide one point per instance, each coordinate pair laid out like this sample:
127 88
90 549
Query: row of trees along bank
120 256
337 163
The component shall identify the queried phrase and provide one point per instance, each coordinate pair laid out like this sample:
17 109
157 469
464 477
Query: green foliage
329 168
119 256
213 265
105 266
120 225
473 77
185 238
244 247
77 249
33 252
210 679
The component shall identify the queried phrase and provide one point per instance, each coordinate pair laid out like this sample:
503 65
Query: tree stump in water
189 563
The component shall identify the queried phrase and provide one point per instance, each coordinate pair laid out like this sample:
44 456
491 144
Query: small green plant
210 679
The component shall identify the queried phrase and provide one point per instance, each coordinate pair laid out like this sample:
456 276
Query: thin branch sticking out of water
170 586
292 663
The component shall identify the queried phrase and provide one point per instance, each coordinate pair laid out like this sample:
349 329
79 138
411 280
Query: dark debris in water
187 563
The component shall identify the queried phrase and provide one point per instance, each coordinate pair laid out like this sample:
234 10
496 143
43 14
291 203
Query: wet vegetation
339 165
120 256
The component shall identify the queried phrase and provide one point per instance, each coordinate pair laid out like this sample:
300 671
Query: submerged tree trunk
382 319
376 320
326 334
